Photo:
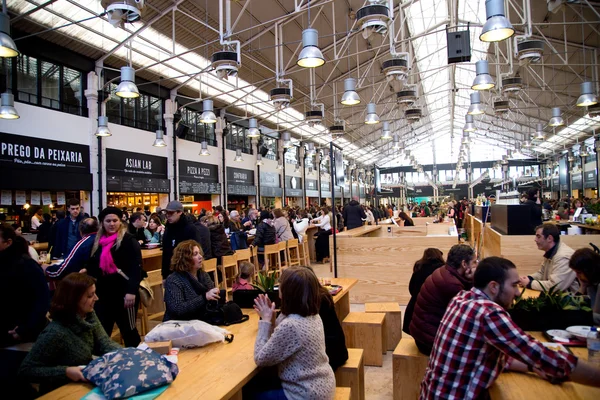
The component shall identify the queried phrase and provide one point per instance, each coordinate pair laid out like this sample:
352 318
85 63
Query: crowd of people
457 313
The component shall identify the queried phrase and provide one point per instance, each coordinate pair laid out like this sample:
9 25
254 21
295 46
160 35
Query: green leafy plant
264 282
552 300
593 208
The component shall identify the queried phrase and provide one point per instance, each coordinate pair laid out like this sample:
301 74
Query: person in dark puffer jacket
353 214
218 238
437 291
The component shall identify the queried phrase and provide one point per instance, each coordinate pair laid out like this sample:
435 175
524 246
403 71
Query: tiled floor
378 380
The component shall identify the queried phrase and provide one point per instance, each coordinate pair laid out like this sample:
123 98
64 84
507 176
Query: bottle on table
593 346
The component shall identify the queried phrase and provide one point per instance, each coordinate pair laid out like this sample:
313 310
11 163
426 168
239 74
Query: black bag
224 314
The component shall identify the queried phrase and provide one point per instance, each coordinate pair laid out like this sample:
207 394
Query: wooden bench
352 374
393 321
343 393
409 366
366 331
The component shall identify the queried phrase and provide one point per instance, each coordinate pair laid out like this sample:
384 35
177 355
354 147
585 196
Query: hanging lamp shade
587 98
385 131
259 161
396 141
127 88
497 27
103 130
159 141
7 107
539 132
253 131
311 149
476 107
371 117
350 97
557 119
469 124
8 48
279 164
204 149
287 140
208 116
310 56
238 156
483 79
465 137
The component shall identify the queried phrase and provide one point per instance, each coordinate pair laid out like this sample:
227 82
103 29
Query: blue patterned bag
130 371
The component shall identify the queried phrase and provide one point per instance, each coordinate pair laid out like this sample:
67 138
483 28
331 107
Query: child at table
294 342
244 279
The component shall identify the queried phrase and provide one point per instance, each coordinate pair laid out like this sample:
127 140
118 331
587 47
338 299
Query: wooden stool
366 331
304 255
343 393
393 321
293 253
409 366
254 251
229 270
157 308
271 250
285 262
352 374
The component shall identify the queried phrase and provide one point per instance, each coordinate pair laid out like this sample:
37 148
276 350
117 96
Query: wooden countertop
520 386
150 253
215 371
360 231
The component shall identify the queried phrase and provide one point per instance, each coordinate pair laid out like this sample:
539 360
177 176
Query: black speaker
459 46
263 151
182 130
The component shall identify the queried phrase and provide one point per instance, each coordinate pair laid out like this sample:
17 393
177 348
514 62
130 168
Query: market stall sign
293 186
240 182
590 179
136 172
269 179
198 178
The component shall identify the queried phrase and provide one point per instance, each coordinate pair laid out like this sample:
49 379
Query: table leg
312 252
342 307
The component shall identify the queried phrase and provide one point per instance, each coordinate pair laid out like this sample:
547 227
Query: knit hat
108 211
234 214
264 214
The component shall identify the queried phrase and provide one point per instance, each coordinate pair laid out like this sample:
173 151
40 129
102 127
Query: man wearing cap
179 228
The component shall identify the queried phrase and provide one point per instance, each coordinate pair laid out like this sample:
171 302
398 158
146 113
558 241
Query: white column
91 95
170 108
220 146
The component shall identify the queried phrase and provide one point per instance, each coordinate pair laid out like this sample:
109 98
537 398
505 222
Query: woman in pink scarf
116 263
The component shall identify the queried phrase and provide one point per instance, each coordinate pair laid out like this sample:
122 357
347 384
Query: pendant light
476 107
371 117
385 131
311 149
350 97
483 79
7 107
204 149
587 98
287 140
539 132
583 152
279 164
259 161
297 168
396 141
465 137
208 116
469 125
238 156
127 88
7 45
310 56
103 130
557 119
497 27
253 131
159 141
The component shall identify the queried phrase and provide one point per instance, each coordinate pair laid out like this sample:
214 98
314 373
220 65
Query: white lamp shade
127 88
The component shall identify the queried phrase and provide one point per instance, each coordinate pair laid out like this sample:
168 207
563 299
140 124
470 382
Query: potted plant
264 283
553 309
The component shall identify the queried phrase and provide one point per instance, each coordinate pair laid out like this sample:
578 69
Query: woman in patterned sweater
71 339
188 288
294 342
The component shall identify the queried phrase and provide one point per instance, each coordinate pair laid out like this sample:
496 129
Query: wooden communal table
310 239
520 386
219 370
40 246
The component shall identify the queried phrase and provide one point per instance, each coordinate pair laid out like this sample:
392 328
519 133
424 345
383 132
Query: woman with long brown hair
116 263
407 220
432 259
189 287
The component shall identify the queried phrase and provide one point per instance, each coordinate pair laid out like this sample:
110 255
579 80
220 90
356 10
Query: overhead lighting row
8 49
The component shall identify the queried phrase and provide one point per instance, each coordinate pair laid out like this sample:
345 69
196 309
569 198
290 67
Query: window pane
155 113
71 91
27 79
142 121
129 112
50 85
6 74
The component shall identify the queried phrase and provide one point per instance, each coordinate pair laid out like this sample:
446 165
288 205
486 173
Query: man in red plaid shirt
477 340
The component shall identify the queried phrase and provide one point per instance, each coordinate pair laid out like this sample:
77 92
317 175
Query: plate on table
564 337
556 347
559 333
333 289
579 331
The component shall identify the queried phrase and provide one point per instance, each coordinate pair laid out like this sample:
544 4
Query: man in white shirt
37 219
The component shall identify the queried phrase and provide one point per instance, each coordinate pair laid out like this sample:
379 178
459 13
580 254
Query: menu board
270 179
312 188
6 197
293 186
35 198
136 172
240 182
555 184
198 178
590 179
576 180
268 191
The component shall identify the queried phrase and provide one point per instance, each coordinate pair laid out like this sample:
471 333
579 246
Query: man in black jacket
67 230
179 228
353 214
